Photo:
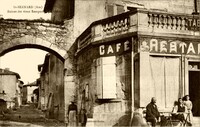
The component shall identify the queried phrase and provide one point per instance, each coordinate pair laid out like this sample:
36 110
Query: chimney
7 69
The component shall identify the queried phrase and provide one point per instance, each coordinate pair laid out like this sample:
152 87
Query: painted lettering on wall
193 24
171 47
114 48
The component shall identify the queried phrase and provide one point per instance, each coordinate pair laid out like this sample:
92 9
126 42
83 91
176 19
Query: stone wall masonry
58 36
103 112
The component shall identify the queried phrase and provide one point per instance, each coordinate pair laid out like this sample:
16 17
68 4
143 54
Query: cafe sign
114 48
170 46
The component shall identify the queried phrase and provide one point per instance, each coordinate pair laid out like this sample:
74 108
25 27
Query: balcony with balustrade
141 22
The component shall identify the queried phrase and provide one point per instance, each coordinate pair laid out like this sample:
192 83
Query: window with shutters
113 9
106 77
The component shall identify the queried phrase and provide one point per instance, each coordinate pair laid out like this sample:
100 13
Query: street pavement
28 115
17 124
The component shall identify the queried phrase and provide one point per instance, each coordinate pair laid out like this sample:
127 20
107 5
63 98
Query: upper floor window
113 9
196 6
116 9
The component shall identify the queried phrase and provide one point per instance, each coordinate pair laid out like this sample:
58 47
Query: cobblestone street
28 115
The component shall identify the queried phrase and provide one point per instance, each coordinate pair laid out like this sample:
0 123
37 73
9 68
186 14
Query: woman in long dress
72 115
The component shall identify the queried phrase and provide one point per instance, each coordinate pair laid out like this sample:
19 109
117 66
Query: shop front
169 69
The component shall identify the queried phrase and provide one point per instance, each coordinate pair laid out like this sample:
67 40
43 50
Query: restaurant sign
170 46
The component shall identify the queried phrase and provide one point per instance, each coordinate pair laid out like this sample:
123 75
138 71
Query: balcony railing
142 22
116 27
164 21
174 21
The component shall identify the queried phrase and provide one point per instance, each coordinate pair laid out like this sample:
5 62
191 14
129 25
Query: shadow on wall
137 120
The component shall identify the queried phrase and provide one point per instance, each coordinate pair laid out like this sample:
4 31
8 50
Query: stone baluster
174 24
179 23
123 25
161 21
112 28
150 20
155 20
109 28
116 23
165 21
120 25
184 27
104 28
169 22
126 23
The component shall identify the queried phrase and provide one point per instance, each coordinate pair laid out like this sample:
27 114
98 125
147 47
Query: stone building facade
8 87
124 60
104 81
19 93
112 66
28 92
51 87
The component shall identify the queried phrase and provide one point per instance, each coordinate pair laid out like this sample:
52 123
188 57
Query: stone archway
45 35
56 39
31 42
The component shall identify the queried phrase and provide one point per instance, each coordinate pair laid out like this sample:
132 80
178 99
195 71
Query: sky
23 61
23 9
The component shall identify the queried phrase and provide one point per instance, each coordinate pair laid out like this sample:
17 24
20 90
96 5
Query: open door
194 86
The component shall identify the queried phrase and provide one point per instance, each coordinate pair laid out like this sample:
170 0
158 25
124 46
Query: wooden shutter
110 10
106 78
120 9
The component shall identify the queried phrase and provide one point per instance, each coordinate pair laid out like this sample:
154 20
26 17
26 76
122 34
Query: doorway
194 86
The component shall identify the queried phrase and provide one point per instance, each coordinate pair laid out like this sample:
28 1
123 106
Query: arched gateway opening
33 46
32 42
17 34
50 84
55 39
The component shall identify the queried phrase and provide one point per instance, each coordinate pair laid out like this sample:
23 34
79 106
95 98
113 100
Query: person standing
188 105
83 118
72 114
152 113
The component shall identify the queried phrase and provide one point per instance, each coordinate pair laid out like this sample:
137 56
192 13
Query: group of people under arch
181 111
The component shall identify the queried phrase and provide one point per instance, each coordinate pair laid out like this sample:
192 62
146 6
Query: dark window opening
196 6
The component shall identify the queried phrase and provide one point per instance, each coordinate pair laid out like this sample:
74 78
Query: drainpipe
132 79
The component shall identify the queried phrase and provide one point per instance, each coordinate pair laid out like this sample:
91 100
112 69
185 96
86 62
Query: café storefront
125 60
169 69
